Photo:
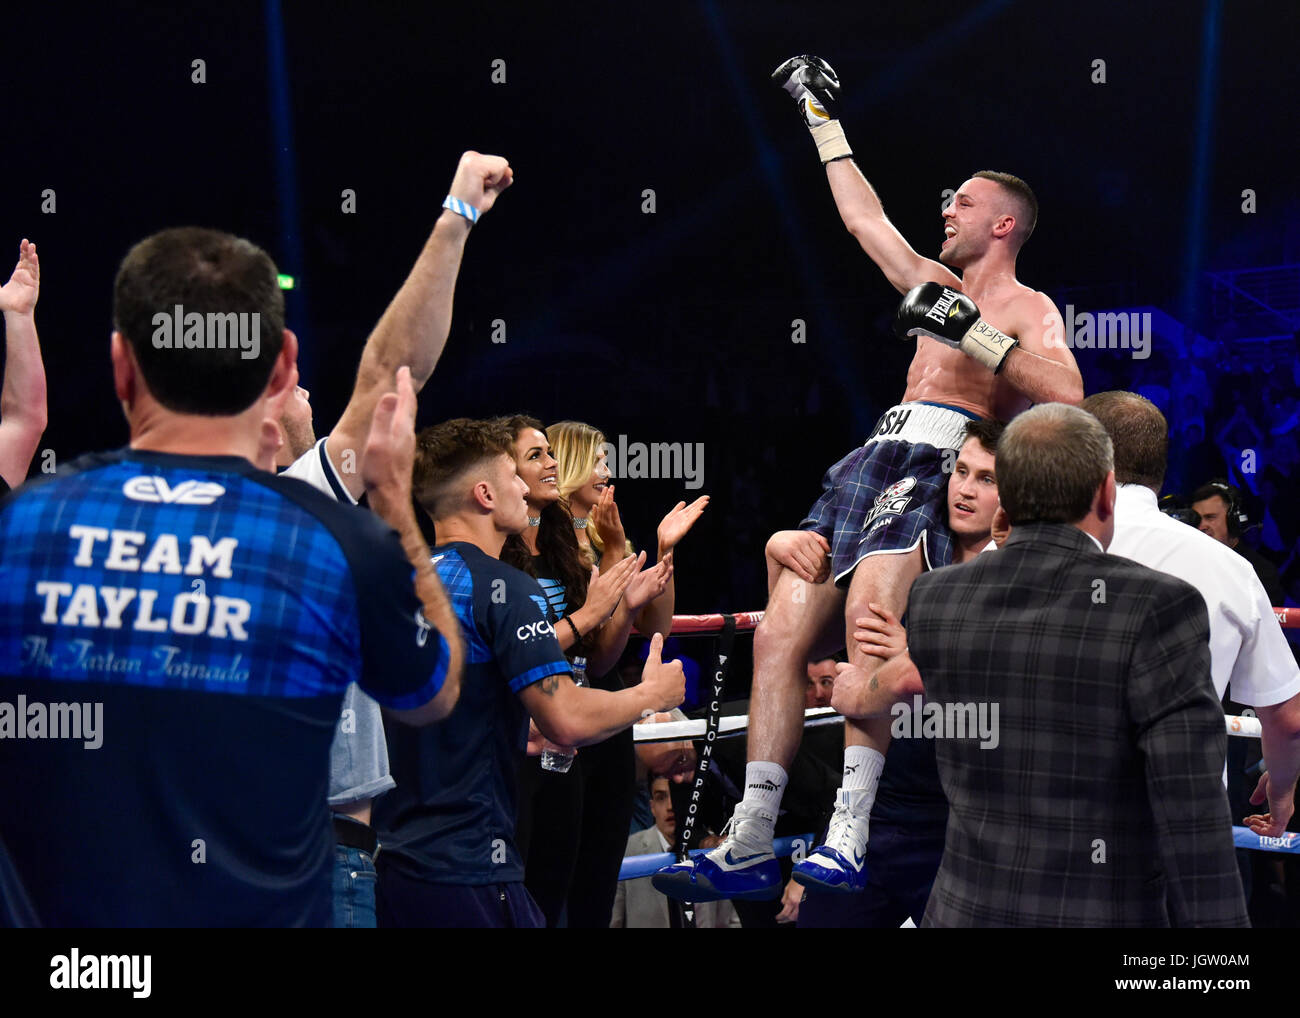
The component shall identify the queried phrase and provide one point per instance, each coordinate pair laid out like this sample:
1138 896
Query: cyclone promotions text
658 460
706 754
230 330
190 612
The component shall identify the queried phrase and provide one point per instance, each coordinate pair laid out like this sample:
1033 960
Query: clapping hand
679 521
604 517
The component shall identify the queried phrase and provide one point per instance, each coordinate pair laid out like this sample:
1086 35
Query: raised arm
865 218
23 413
414 327
389 454
814 86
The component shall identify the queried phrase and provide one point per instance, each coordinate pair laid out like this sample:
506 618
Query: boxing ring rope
634 867
707 625
1241 725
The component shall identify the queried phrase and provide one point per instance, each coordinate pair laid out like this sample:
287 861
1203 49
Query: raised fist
813 84
480 179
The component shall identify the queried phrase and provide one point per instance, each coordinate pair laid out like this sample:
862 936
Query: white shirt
359 767
315 468
1247 647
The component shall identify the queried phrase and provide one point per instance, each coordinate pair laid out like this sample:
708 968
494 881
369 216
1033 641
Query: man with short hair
1219 506
880 516
910 815
210 615
637 905
412 331
821 682
1247 647
449 856
1101 803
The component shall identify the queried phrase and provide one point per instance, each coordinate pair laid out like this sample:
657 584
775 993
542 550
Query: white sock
764 785
862 767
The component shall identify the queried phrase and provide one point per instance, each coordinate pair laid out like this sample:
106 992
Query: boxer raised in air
982 352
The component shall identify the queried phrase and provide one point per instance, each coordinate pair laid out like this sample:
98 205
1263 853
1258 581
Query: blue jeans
354 889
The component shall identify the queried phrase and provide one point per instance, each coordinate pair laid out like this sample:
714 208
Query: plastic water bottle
555 759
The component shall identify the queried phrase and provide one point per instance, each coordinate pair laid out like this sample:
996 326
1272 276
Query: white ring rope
1241 725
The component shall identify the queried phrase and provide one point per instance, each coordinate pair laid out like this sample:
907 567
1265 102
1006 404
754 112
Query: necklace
534 521
580 523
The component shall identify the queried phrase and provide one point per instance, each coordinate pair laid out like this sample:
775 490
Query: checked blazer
1102 803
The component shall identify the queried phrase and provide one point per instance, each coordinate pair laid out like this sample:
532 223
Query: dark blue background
674 326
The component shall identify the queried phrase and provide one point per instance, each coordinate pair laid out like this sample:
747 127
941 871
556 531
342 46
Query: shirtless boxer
982 351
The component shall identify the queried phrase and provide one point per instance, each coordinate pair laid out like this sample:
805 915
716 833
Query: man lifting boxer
983 350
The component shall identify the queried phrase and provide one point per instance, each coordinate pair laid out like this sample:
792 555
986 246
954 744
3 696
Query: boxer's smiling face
972 491
968 222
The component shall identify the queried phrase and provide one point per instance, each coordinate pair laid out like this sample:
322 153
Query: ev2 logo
422 628
155 489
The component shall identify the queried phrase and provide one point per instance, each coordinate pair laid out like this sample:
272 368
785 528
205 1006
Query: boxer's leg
801 623
883 579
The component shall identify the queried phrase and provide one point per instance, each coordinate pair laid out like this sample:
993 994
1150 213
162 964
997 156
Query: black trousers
404 902
573 828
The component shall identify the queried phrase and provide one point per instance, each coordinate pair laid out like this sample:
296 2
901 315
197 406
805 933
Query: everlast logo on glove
957 324
940 310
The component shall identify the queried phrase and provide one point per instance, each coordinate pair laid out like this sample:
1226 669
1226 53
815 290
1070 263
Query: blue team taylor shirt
451 818
213 615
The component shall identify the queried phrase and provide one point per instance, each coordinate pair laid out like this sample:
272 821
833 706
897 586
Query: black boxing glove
813 84
952 318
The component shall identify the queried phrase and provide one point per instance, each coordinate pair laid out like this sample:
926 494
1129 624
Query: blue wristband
461 208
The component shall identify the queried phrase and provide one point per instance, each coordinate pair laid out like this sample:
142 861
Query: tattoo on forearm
875 683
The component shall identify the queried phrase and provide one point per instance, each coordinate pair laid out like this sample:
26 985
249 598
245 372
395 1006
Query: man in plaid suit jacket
1100 801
